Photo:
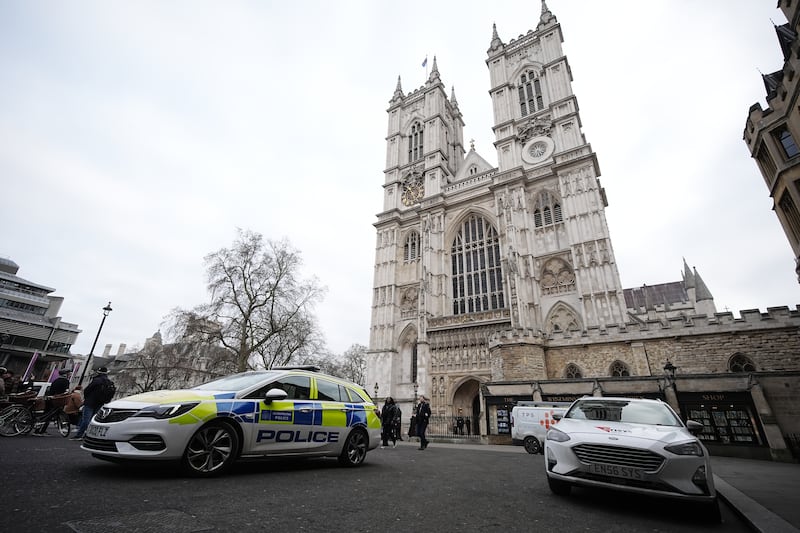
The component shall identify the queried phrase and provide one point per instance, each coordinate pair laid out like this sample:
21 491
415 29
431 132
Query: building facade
33 337
499 284
772 134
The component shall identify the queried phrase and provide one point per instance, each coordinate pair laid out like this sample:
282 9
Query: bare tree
260 310
351 365
354 364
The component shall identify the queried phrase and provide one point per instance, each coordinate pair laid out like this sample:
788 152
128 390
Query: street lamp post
106 310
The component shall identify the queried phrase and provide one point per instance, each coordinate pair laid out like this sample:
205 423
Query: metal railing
447 427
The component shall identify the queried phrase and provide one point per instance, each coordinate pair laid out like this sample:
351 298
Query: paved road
50 485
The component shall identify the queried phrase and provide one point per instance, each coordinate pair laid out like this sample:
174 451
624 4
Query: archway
467 398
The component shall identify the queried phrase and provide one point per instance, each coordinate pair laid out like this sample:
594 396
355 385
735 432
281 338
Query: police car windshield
237 382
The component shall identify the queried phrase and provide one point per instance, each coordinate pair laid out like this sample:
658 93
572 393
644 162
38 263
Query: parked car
293 411
632 445
530 422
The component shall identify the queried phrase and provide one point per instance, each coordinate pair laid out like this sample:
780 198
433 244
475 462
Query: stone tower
476 265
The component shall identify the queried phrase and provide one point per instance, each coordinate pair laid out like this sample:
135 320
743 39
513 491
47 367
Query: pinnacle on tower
398 91
453 100
702 291
496 42
434 77
688 277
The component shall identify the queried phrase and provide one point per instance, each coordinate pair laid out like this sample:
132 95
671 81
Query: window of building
790 213
477 276
530 93
411 248
767 164
741 363
573 372
619 369
415 142
473 169
784 136
547 210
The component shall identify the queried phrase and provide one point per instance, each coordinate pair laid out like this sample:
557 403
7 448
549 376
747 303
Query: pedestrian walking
423 416
388 415
97 393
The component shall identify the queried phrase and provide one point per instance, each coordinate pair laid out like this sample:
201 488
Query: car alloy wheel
532 445
211 450
355 448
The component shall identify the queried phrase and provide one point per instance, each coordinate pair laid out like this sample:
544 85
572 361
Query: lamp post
106 310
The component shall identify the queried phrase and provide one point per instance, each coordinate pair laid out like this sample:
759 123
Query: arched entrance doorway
467 399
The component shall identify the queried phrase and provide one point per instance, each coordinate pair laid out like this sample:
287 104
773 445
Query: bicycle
21 417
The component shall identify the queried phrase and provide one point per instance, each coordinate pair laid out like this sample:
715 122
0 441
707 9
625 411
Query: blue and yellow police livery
279 412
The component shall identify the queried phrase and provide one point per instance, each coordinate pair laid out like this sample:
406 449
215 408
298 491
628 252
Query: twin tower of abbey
499 284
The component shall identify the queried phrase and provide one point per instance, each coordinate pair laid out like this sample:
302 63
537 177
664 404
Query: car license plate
96 431
626 472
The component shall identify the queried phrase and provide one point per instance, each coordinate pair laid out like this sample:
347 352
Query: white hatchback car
293 411
633 445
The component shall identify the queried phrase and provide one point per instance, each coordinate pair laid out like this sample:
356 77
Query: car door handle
305 410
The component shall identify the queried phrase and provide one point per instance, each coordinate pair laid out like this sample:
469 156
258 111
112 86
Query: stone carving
557 277
535 127
562 319
408 299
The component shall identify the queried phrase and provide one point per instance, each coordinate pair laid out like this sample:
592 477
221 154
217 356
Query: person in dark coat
423 415
55 400
389 413
92 400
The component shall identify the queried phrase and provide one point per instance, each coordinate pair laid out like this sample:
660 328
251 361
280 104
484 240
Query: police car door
336 413
283 425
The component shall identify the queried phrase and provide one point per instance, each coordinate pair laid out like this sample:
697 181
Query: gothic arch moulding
739 362
619 369
573 371
557 277
562 318
458 222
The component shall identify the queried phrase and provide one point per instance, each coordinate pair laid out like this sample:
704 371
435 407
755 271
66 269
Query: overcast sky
135 137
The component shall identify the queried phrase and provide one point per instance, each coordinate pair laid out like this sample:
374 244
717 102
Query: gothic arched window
415 142
411 248
475 259
619 369
573 372
547 210
741 363
530 93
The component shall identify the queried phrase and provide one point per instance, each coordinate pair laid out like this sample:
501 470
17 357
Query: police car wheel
355 448
211 450
532 445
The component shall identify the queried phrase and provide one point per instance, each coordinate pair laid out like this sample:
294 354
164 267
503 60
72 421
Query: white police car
290 411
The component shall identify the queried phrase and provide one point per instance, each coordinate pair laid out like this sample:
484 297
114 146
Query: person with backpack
97 393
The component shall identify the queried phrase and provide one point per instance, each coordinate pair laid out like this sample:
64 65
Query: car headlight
169 410
557 435
686 448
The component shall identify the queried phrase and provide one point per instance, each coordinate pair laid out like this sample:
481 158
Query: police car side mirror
557 416
275 394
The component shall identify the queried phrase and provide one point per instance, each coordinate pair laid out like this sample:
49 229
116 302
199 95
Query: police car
289 411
